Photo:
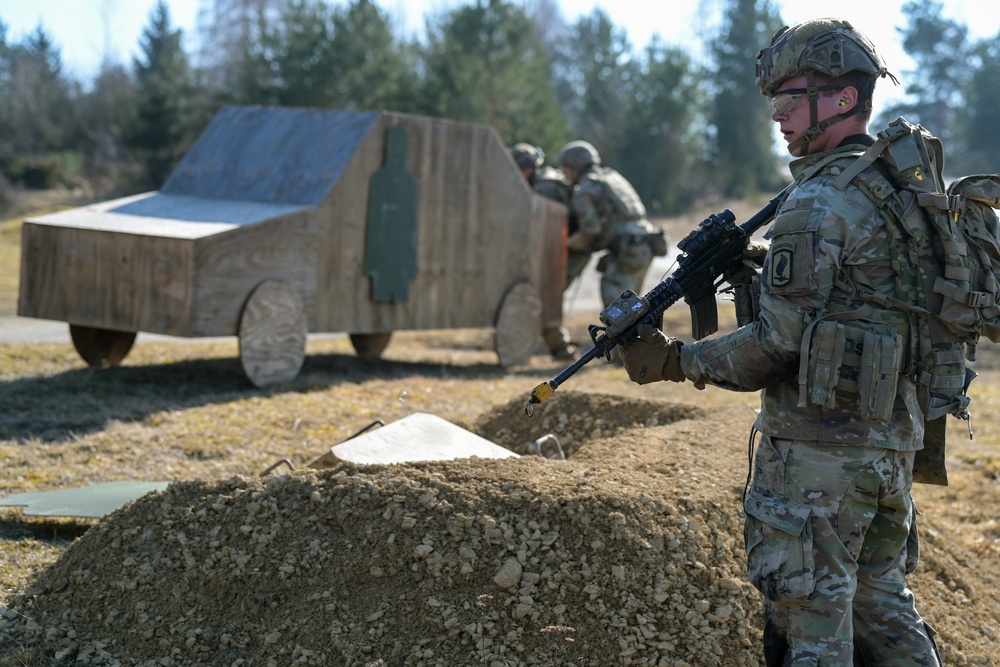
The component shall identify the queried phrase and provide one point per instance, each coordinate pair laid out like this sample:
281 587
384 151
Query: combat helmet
578 155
526 155
828 46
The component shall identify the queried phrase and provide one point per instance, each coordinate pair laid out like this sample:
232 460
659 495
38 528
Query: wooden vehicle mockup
280 222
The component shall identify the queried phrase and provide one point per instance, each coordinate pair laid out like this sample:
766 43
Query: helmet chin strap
818 126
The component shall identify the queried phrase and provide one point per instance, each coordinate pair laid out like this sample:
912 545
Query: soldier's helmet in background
526 155
578 155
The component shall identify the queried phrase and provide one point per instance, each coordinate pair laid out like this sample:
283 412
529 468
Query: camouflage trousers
829 543
624 266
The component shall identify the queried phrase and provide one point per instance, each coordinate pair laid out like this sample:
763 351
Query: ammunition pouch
631 252
746 297
853 361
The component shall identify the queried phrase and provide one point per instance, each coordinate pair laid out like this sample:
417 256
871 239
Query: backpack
945 245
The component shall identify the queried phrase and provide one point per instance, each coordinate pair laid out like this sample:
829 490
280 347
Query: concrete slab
92 501
417 437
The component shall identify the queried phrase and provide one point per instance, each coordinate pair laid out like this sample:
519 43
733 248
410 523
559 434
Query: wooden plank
106 280
514 223
547 239
433 239
474 213
227 267
346 304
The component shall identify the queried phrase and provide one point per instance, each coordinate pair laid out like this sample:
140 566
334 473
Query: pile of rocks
496 562
630 552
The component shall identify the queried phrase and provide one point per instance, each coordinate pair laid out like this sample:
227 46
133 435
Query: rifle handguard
710 254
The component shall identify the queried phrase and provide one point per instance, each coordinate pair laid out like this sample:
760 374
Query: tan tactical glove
580 241
653 357
755 252
753 260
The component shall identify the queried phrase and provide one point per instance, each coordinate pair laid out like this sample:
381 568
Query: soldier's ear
848 98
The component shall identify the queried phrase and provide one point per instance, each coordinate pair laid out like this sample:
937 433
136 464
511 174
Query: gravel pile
627 553
576 418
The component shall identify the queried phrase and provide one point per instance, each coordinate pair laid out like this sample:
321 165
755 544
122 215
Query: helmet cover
578 155
830 46
526 155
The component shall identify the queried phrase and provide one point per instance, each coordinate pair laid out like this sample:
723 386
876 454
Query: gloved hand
653 357
753 260
755 252
580 241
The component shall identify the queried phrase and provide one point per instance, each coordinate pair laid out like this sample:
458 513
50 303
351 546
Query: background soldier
548 182
830 529
610 217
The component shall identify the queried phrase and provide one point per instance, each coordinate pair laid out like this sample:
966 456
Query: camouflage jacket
606 205
550 182
819 237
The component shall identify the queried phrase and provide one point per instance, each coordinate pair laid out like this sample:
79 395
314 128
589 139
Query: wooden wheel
273 332
370 344
101 347
519 325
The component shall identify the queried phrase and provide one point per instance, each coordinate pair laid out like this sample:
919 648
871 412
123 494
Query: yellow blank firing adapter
542 392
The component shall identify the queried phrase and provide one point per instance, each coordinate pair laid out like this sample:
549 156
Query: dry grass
10 260
185 411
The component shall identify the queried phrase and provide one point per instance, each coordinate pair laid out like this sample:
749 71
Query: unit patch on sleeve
782 263
792 253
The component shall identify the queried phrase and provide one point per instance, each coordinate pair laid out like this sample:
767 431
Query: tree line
678 127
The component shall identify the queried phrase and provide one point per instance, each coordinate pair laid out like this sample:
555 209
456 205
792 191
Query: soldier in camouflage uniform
548 182
829 526
611 218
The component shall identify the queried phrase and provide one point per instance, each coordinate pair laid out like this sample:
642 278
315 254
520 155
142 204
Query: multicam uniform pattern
550 182
611 217
829 518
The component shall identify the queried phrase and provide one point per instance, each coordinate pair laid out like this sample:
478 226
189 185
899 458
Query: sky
88 31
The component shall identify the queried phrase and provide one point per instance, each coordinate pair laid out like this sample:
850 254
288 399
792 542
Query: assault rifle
711 254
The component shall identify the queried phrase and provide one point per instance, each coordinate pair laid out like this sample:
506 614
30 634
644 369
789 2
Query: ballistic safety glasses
784 101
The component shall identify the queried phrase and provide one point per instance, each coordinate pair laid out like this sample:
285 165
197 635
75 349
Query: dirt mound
576 418
627 553
508 562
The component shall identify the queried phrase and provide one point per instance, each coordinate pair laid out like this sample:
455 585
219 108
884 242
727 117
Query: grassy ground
10 260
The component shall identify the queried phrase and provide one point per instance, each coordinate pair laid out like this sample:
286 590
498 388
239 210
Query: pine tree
977 146
663 149
373 70
483 65
34 98
161 131
939 47
596 81
744 162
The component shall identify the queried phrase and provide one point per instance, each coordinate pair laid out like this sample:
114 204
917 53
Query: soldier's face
790 109
571 174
